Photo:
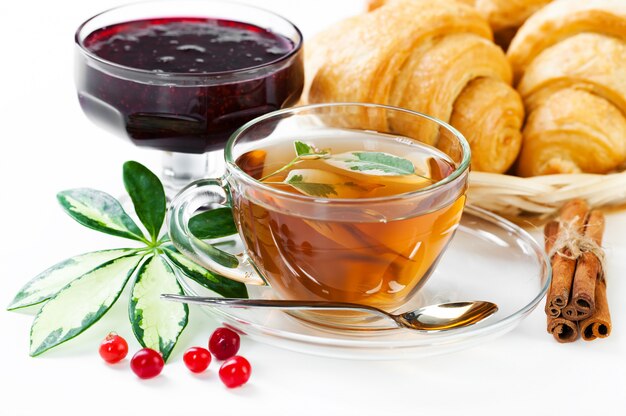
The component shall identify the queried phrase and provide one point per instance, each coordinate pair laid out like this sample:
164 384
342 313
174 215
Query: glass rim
233 168
189 75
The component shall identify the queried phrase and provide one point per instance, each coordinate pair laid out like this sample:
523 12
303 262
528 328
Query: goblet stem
179 169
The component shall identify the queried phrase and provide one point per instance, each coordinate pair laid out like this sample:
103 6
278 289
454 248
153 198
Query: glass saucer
489 258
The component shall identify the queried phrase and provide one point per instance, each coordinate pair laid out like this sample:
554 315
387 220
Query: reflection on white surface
482 234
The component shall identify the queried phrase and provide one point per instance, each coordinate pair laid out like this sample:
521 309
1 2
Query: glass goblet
188 99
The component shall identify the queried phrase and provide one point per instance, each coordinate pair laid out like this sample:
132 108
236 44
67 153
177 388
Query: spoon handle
274 304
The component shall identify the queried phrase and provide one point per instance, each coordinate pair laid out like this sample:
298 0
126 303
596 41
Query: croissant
504 16
433 57
570 58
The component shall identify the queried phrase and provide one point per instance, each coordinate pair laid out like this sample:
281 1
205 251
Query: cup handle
206 192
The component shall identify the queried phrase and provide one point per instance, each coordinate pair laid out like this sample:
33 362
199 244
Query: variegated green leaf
217 255
214 282
80 304
215 223
146 191
48 283
99 211
157 324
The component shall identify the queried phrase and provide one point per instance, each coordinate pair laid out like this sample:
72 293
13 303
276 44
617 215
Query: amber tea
359 252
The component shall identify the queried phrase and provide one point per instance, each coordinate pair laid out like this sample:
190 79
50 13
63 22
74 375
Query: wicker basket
540 196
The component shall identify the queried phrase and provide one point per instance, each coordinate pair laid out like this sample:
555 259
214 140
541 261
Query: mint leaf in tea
303 150
374 163
303 180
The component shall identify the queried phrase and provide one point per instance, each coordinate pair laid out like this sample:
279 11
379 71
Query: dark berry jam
187 114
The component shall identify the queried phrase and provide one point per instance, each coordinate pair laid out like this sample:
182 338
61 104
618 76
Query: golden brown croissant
429 57
573 131
571 59
504 16
490 118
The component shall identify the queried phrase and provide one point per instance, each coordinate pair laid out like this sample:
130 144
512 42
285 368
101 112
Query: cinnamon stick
573 215
588 268
551 231
599 324
563 330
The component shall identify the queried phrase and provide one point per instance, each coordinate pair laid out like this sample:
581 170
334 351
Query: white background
48 145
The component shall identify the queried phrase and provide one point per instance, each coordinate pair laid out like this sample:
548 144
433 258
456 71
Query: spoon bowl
438 317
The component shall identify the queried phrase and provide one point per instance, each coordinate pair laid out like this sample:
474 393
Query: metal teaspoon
437 317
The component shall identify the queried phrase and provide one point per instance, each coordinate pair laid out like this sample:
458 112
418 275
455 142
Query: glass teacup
357 241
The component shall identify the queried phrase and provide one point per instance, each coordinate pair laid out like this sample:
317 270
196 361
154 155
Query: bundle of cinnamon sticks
577 301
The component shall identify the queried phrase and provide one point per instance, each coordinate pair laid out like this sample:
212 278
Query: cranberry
113 349
224 343
235 371
147 363
197 359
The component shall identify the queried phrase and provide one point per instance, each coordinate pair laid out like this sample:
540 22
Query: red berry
113 349
197 359
235 371
224 343
147 363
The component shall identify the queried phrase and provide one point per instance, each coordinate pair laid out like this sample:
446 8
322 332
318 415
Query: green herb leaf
214 282
146 192
373 163
303 148
215 223
222 257
80 304
312 189
157 324
99 211
48 283
306 151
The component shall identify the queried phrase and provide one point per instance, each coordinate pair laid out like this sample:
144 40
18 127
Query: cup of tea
333 203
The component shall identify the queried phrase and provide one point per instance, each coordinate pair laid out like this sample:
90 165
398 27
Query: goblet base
179 169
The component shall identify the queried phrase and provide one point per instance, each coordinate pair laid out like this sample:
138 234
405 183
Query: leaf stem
228 243
144 250
276 183
287 166
424 177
